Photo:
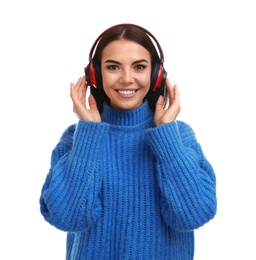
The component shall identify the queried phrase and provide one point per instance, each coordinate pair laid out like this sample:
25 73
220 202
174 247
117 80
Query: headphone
158 74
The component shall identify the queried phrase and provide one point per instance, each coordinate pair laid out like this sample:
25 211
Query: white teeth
126 92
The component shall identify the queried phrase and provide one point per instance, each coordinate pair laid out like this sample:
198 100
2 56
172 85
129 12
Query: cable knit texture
124 189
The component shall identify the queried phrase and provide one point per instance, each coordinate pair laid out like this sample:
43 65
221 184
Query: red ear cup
161 78
90 74
92 77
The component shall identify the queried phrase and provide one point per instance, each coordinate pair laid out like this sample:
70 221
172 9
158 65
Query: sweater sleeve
69 198
186 179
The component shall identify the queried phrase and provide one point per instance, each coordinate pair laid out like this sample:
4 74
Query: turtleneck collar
120 117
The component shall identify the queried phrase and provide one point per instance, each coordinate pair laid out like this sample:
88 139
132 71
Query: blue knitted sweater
124 189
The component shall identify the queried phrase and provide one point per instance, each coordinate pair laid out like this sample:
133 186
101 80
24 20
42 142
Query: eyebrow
117 62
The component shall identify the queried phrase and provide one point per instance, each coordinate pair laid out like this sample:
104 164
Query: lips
126 92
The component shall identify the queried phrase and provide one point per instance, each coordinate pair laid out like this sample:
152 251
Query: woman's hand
78 96
167 115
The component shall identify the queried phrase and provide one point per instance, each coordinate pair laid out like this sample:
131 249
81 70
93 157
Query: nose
127 76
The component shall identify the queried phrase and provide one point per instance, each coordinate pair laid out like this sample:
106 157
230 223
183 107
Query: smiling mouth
126 92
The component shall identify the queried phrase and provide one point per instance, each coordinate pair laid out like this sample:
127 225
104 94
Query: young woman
128 180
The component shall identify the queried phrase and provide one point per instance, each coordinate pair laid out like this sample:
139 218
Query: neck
122 117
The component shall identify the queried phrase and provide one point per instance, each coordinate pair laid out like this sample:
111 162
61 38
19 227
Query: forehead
125 49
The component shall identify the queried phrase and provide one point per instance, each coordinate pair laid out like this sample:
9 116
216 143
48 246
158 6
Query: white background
210 52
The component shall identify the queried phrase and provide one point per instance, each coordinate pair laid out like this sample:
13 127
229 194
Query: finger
81 90
72 90
176 100
176 92
169 89
169 85
79 87
73 93
160 103
92 102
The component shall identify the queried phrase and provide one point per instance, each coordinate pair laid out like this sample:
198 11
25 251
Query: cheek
145 81
107 81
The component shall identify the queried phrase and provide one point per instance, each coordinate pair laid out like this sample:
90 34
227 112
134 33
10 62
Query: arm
186 178
69 198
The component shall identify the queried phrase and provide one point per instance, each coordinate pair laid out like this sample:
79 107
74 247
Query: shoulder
186 132
70 130
183 126
67 135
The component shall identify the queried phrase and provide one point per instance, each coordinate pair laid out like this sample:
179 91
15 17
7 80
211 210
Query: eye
112 67
140 67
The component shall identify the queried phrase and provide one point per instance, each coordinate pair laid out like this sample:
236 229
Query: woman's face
126 71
